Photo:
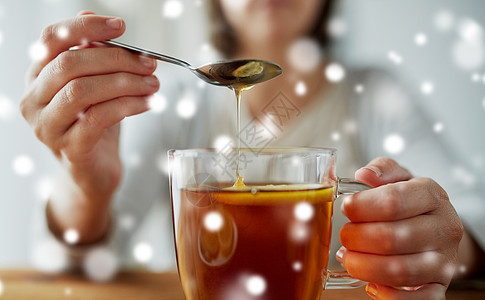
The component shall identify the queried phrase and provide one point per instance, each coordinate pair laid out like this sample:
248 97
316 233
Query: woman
75 101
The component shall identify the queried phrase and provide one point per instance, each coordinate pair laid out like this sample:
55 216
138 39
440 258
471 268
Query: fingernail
376 170
340 255
150 80
147 61
371 289
114 23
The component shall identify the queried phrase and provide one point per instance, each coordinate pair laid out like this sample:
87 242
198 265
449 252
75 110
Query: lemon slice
239 186
249 69
276 194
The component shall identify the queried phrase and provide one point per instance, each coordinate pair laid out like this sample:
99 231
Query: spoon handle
148 53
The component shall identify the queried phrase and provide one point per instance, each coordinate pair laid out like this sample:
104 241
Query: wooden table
139 285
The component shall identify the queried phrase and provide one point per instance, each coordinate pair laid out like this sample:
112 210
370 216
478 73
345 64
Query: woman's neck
275 52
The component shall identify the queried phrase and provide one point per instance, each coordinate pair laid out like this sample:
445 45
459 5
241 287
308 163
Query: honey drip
239 184
245 77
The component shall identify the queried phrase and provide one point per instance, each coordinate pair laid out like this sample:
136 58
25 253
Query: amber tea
257 242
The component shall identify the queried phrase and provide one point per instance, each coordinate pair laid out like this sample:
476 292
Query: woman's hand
75 99
403 235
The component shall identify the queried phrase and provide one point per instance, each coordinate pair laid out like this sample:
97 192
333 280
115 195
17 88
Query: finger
392 202
398 270
78 95
382 171
86 132
432 291
80 30
413 235
70 65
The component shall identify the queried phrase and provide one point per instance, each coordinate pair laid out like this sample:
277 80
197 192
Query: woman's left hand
403 236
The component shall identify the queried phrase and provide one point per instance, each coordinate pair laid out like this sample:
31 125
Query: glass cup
267 240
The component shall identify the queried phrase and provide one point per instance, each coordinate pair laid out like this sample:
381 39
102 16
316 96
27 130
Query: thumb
381 171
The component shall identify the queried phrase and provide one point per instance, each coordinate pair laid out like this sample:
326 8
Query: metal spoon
231 73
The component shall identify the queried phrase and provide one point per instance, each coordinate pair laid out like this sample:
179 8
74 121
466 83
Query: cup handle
342 279
347 186
333 280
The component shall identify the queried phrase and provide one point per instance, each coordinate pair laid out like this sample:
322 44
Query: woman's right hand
75 99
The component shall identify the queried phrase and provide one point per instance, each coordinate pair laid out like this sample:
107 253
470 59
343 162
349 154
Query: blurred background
436 48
